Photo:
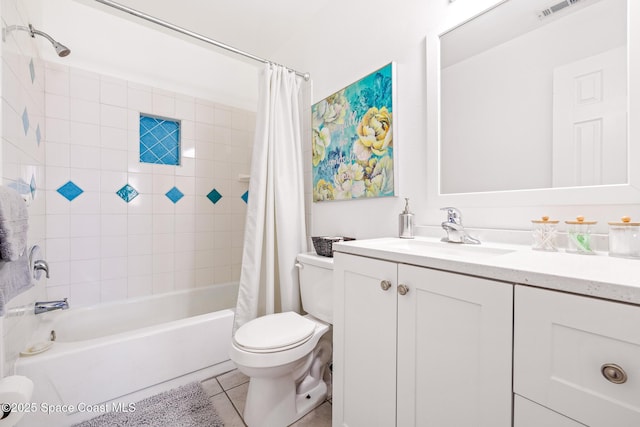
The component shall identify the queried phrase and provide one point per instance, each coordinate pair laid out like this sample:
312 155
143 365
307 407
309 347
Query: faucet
41 264
45 306
453 226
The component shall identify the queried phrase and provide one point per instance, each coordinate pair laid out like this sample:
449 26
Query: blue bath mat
186 406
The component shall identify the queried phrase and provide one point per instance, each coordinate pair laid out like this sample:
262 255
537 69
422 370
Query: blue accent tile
32 187
159 141
174 194
70 191
25 121
214 196
38 135
245 196
127 193
32 71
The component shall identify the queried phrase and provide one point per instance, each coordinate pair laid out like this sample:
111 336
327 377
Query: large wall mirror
533 101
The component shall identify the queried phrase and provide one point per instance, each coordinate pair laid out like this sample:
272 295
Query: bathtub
125 351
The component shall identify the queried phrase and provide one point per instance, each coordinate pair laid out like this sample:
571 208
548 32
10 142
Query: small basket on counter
324 244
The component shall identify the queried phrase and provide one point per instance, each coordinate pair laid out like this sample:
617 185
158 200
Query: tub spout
45 306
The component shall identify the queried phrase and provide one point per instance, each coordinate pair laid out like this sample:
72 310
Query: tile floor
228 393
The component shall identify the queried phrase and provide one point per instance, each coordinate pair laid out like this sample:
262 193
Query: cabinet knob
385 285
613 373
403 289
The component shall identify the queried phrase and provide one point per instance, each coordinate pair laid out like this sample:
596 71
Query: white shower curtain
274 229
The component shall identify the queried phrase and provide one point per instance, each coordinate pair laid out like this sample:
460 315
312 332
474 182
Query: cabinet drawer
529 414
562 342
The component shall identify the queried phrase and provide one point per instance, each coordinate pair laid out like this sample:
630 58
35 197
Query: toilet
285 355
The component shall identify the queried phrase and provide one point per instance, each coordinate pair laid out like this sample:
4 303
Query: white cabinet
529 414
436 355
578 356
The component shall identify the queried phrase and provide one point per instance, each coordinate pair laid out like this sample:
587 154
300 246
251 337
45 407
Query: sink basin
439 249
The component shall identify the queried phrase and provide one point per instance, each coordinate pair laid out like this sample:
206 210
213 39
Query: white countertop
597 275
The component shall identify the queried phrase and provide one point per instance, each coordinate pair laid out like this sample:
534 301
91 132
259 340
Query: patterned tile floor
228 393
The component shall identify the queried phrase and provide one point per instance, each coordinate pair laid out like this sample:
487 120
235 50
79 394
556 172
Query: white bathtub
125 351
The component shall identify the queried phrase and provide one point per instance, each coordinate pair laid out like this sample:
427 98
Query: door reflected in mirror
533 96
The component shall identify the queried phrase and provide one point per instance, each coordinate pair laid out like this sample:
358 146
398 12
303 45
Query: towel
14 224
15 277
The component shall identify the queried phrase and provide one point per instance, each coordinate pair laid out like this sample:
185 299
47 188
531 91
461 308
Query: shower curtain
274 229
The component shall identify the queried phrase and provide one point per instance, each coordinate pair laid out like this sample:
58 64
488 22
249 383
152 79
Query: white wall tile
163 105
113 225
140 100
83 271
84 85
83 111
113 290
113 92
57 106
140 265
85 157
84 225
204 113
113 268
57 130
102 248
113 116
83 294
139 286
114 138
84 248
110 247
84 134
57 81
57 154
113 160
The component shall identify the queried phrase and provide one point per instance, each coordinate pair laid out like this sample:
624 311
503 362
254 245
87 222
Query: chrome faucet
41 264
45 306
453 226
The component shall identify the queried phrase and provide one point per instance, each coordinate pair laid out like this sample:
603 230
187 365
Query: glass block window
159 140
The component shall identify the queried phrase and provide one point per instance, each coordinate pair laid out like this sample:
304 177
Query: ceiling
255 26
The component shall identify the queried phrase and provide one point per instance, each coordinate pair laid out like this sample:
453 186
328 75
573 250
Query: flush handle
613 373
385 285
403 289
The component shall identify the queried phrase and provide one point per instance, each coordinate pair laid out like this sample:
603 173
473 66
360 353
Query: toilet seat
274 333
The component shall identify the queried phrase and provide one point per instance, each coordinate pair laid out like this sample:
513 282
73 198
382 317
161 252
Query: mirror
534 95
533 101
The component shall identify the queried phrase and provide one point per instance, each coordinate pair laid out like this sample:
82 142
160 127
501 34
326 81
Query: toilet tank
316 285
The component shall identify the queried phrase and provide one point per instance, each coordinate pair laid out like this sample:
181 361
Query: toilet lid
274 332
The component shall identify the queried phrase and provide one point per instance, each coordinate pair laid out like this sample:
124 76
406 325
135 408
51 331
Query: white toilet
285 354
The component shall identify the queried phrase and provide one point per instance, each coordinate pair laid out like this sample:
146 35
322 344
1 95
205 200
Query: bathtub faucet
45 306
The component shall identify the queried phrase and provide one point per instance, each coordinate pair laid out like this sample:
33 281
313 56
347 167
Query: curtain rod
184 31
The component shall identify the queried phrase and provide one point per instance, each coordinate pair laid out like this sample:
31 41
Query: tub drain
52 335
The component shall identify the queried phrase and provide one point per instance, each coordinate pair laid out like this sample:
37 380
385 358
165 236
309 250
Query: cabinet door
578 356
454 350
529 414
364 342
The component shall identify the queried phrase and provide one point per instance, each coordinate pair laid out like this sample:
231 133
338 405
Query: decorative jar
624 238
579 236
544 233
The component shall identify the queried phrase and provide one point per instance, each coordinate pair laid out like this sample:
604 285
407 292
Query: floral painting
353 140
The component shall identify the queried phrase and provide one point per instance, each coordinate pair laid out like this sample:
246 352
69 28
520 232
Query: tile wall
23 161
117 228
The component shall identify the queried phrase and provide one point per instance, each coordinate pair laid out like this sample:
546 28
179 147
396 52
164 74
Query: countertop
597 275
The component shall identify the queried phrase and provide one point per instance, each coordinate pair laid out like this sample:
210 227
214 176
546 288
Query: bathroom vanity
437 334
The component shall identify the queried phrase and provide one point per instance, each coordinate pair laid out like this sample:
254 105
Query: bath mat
186 406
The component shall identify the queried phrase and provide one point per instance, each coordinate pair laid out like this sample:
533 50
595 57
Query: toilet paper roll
15 396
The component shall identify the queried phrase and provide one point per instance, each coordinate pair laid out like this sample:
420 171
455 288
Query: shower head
61 49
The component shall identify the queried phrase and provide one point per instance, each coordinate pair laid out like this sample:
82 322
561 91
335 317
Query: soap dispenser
406 222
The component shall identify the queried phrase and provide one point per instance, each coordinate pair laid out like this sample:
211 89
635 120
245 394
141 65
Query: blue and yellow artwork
353 140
